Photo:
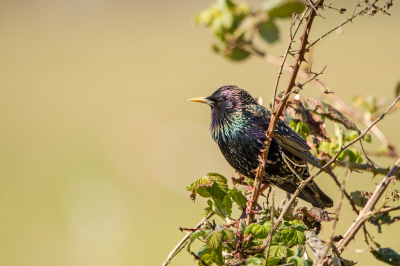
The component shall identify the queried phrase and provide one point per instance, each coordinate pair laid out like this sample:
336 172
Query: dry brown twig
184 240
320 260
367 211
276 114
324 168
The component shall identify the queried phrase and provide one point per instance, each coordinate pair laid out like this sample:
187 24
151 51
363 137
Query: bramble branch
276 114
184 240
367 211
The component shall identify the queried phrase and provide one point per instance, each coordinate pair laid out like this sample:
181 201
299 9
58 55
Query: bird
238 126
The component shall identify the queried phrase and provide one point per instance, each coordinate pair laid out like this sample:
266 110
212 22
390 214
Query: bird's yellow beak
200 100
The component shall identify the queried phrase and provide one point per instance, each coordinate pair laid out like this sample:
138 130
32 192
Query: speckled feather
238 125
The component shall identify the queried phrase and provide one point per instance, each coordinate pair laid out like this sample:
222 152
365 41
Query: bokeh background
97 140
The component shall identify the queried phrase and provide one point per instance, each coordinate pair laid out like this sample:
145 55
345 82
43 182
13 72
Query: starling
238 126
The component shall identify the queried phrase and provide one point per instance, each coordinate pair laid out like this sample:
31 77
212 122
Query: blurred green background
97 140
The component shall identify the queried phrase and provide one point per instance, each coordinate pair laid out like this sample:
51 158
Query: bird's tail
311 193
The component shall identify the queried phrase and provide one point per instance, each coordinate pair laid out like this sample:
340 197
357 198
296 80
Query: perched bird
238 126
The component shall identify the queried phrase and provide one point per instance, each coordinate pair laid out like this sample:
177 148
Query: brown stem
275 115
328 244
367 211
184 240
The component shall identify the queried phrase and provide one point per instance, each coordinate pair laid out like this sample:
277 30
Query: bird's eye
219 101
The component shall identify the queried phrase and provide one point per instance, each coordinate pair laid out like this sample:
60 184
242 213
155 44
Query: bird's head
227 98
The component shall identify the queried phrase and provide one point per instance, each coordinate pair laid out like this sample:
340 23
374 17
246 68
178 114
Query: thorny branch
320 261
184 240
276 114
324 168
367 211
341 105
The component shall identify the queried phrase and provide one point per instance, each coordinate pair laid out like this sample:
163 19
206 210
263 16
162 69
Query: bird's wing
284 135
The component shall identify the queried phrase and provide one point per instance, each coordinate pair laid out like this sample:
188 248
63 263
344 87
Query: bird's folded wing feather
285 136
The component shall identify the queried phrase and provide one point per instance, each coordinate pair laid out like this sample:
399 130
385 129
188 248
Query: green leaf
205 253
397 90
242 226
310 262
214 239
228 235
325 147
237 54
359 198
367 138
285 10
258 230
302 129
219 188
280 251
351 135
223 208
352 155
296 261
237 197
273 261
249 181
293 236
387 255
194 236
269 31
300 251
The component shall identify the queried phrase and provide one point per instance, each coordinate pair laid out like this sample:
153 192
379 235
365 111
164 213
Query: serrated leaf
269 31
214 239
193 237
258 230
284 10
223 208
205 253
237 197
387 255
273 261
280 251
329 112
219 188
228 235
296 261
292 237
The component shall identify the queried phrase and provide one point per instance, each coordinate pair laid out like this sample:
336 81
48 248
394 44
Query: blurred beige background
97 140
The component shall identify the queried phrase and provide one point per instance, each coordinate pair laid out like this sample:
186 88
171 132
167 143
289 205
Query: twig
285 56
275 116
346 194
340 104
182 243
320 261
367 210
386 210
199 259
340 25
272 222
324 168
370 168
